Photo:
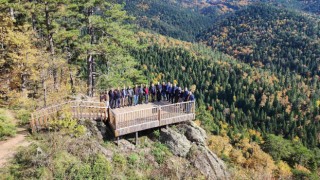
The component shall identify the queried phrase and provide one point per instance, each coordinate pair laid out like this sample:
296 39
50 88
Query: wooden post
159 113
137 138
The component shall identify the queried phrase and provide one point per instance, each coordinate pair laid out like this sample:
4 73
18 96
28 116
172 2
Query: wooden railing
134 121
123 122
78 109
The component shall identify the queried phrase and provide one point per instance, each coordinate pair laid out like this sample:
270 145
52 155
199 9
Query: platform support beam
137 138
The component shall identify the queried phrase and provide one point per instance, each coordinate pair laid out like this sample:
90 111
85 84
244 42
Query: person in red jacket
146 93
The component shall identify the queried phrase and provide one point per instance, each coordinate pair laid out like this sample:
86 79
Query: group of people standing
116 98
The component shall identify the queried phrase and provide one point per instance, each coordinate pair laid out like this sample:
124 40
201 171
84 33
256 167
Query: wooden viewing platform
122 120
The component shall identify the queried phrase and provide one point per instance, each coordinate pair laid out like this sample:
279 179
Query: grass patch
7 128
160 152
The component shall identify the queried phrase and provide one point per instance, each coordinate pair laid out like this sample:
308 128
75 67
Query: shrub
101 168
6 126
133 158
23 116
119 161
160 152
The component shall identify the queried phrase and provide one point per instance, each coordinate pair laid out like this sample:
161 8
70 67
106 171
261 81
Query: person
146 94
177 95
153 92
141 94
173 90
158 92
130 96
103 97
185 94
118 97
136 95
107 102
168 91
163 92
124 95
191 99
111 98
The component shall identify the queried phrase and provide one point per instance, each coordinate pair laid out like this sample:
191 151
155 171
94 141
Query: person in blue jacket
172 94
141 94
136 95
164 91
185 94
111 98
118 97
159 90
168 91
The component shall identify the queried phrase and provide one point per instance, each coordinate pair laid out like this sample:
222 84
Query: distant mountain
222 6
268 36
168 18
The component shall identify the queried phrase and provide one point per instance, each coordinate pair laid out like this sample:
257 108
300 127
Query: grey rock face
208 163
177 142
193 133
190 141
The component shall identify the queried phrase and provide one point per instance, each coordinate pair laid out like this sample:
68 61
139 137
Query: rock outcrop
193 132
177 142
188 140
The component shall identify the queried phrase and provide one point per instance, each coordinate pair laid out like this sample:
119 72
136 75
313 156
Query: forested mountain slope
168 18
267 36
214 7
247 98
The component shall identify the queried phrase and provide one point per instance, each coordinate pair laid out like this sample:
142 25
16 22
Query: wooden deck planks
122 120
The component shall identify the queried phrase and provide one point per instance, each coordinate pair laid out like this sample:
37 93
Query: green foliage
292 152
280 39
133 159
119 161
245 97
160 152
207 120
23 116
101 168
168 18
68 125
298 174
7 128
278 147
156 133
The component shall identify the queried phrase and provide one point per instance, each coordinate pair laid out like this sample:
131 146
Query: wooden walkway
122 120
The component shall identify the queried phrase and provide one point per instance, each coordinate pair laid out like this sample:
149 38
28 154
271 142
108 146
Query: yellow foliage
219 145
301 168
283 170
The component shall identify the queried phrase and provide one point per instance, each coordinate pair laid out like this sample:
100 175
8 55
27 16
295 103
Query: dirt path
8 147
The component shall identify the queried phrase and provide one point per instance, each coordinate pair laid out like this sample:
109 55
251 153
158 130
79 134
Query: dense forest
278 39
244 97
254 71
168 18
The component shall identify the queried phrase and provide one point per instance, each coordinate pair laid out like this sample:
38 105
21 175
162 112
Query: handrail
138 110
177 103
121 122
